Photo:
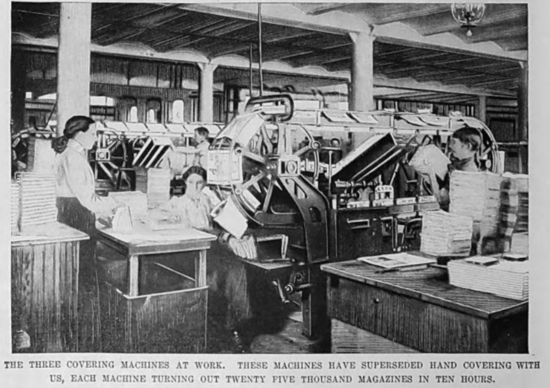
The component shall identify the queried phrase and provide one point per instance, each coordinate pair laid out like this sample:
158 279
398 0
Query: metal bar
260 48
250 71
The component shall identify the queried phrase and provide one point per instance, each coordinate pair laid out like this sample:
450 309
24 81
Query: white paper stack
37 199
476 195
446 234
135 200
155 182
40 155
14 208
506 279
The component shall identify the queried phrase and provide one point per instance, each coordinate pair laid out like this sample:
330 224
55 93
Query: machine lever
281 291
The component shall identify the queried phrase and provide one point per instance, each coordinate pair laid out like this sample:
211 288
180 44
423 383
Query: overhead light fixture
468 15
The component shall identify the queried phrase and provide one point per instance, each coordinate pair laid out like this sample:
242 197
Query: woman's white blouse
75 179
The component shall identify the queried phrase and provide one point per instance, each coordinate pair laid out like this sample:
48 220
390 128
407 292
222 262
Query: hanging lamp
468 15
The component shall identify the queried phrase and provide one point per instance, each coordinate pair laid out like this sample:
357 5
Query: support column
361 96
482 109
523 116
206 92
18 78
73 62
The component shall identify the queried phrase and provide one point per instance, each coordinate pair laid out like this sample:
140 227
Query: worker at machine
464 145
202 144
78 206
229 299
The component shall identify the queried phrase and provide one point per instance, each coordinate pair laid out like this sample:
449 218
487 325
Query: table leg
200 269
133 276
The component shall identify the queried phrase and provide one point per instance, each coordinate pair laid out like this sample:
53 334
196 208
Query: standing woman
78 206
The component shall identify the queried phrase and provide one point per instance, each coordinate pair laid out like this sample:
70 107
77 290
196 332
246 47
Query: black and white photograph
294 193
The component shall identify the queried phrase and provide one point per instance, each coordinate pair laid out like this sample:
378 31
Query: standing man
201 138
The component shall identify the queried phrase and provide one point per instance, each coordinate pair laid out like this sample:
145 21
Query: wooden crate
45 294
169 315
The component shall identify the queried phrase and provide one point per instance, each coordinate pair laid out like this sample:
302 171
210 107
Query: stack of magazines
37 199
508 279
446 234
40 155
476 195
154 182
523 194
401 261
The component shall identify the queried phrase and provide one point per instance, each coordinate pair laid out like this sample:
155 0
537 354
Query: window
178 111
153 111
127 109
132 115
151 116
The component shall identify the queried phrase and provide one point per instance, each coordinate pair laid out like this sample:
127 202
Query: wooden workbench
158 309
419 309
45 265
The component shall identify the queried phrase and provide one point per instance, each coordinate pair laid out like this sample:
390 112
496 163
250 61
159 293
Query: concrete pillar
523 103
206 92
361 96
73 62
482 109
523 117
18 78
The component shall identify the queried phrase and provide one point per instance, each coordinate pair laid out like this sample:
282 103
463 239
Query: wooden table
172 318
45 265
419 309
144 241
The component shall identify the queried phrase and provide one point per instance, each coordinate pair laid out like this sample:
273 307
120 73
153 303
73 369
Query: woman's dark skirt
73 214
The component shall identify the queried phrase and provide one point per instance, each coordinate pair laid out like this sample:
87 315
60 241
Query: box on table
155 182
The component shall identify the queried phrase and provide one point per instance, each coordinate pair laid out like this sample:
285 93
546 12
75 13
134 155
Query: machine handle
360 221
359 224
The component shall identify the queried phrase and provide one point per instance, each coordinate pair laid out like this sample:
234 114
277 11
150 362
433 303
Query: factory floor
283 337
289 339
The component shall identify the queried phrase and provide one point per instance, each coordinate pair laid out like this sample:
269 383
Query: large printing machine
336 183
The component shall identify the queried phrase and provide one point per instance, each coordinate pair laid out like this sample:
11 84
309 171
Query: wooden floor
284 337
343 338
289 340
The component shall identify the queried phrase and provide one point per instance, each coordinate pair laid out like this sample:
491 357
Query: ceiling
404 69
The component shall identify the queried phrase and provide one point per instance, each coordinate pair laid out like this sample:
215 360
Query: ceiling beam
284 15
321 8
378 14
501 32
416 44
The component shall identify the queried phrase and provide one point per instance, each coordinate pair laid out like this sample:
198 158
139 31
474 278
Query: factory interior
269 177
